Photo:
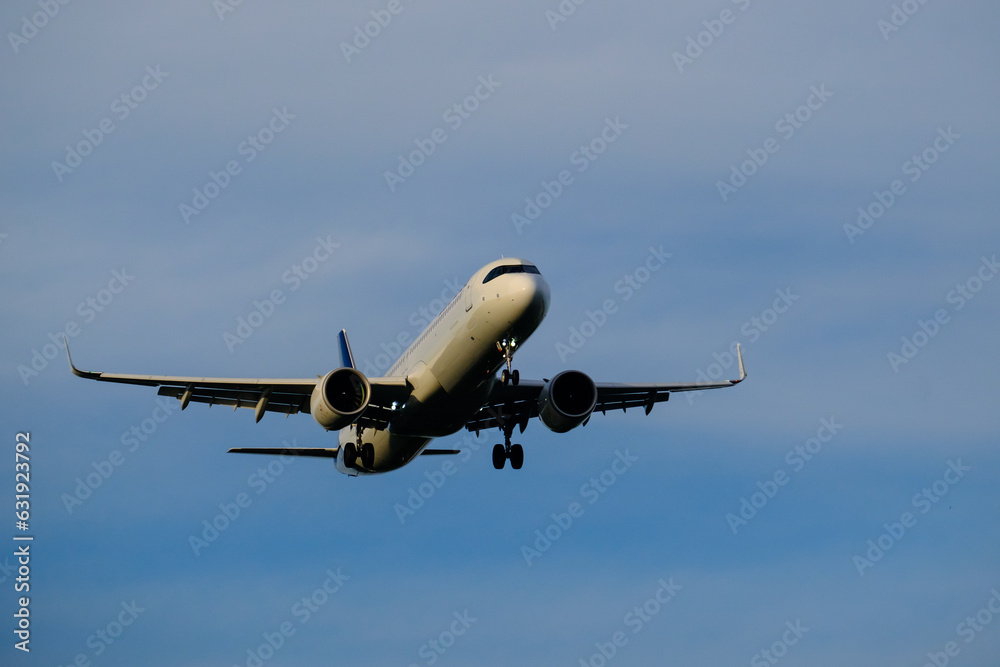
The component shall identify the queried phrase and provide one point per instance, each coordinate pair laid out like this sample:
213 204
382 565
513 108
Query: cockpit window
514 268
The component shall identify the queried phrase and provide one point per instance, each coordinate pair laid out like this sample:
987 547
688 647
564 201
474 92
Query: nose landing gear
506 347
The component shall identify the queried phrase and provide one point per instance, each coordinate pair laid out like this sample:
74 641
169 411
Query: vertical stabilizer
346 358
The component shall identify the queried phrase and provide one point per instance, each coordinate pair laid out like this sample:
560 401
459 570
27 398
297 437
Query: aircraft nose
532 293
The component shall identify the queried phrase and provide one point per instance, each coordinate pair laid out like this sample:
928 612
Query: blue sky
820 109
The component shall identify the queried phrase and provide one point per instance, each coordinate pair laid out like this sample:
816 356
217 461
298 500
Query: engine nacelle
340 398
567 400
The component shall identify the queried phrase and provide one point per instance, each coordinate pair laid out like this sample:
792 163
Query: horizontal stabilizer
289 451
321 452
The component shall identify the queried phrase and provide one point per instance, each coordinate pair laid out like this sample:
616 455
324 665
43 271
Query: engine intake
340 398
567 400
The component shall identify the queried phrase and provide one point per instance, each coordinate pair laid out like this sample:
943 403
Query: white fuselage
452 364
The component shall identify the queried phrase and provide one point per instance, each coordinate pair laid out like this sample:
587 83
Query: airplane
446 380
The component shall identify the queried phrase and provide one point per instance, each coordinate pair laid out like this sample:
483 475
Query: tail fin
346 358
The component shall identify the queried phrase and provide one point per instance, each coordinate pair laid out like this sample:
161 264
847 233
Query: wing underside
518 404
287 396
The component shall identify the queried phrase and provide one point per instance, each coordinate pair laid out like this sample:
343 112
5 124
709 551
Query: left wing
287 396
519 403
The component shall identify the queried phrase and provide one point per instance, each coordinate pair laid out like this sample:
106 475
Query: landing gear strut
354 451
501 453
506 347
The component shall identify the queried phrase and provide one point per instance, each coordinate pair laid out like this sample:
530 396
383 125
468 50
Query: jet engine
340 398
567 400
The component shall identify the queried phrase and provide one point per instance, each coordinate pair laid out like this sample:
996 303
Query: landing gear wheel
516 457
350 454
368 455
505 377
514 377
499 456
506 421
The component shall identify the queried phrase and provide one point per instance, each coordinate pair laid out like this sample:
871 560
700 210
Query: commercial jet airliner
444 382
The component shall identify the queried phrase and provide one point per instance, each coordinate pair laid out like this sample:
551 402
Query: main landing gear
501 453
506 347
366 452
